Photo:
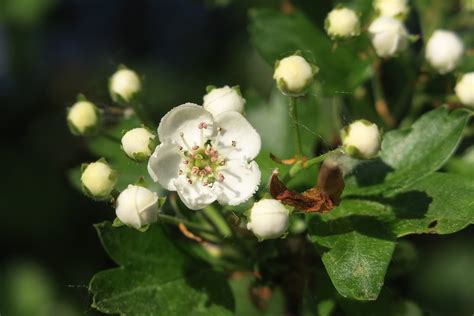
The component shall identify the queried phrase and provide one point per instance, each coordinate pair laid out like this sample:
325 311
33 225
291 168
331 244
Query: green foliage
156 277
276 35
357 239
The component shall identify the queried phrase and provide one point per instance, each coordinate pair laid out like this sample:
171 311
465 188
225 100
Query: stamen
185 143
180 172
195 147
186 162
190 181
202 125
234 143
221 177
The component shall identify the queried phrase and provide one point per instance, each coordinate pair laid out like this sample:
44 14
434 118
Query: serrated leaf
410 154
156 277
355 249
276 35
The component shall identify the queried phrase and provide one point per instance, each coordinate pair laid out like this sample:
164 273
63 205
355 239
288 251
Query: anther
234 143
221 177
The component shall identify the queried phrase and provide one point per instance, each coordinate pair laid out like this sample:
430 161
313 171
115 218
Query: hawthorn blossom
206 158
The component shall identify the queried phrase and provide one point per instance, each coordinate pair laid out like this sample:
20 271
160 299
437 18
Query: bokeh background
51 50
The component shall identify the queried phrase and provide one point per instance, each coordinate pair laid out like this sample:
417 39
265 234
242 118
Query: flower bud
342 23
268 219
98 179
361 139
224 99
138 143
137 206
392 8
444 51
294 75
83 118
124 85
465 89
389 36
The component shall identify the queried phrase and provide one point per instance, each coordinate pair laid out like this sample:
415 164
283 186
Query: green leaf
155 277
276 35
410 154
357 238
440 203
356 249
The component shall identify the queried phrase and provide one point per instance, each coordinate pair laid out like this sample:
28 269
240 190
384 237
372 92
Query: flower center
202 163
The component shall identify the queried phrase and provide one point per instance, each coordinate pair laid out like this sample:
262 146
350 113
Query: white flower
293 75
444 50
138 143
389 36
392 8
137 206
206 158
361 139
83 118
342 22
465 89
98 179
268 219
224 99
124 84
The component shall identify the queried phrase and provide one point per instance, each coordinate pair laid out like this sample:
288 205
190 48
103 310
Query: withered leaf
320 198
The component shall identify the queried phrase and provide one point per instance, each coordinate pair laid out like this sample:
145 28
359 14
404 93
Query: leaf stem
296 126
301 165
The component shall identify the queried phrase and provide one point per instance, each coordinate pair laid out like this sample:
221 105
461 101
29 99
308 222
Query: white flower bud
389 36
137 206
361 139
444 51
83 118
342 23
392 8
98 179
293 75
224 99
138 143
124 84
268 219
465 89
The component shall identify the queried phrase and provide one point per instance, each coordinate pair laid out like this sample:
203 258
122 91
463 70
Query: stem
296 125
301 165
381 105
218 220
176 221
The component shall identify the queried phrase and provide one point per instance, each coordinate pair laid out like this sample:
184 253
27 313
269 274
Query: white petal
164 165
241 181
185 120
237 138
195 196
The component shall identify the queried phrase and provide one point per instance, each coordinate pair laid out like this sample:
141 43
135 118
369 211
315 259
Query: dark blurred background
51 50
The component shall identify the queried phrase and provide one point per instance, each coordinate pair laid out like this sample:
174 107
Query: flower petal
241 181
237 137
185 120
164 165
195 196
